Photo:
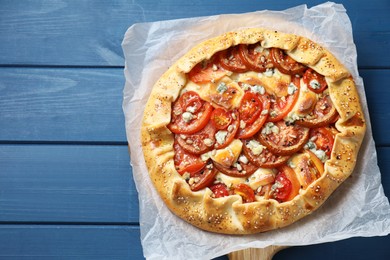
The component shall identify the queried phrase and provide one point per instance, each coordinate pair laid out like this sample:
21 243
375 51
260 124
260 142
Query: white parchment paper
358 208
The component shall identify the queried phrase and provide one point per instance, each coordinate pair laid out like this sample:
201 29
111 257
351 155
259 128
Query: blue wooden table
66 187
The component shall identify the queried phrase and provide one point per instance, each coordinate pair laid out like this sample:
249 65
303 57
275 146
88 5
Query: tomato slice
250 107
204 178
285 63
250 129
207 71
231 130
219 190
200 142
286 185
246 192
314 81
186 162
283 139
255 57
265 159
283 105
189 114
221 118
243 170
231 60
323 139
323 114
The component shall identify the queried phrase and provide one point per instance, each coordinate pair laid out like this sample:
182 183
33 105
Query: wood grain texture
79 184
65 183
42 104
85 104
69 242
89 33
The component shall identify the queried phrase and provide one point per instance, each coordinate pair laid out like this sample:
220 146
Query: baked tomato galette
251 131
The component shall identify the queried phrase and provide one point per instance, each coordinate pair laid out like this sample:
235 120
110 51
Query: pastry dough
230 214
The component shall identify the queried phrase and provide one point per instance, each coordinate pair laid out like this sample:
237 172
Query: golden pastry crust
229 214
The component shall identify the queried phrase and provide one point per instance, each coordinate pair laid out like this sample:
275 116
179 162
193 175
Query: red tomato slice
219 190
221 118
197 120
286 185
324 113
285 63
200 142
246 192
231 60
250 107
265 159
204 178
245 169
282 106
207 71
250 129
231 129
255 57
283 139
185 162
314 81
323 138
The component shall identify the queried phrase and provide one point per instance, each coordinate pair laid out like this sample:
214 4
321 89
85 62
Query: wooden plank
69 242
67 183
74 183
123 242
61 104
68 33
357 248
46 104
378 96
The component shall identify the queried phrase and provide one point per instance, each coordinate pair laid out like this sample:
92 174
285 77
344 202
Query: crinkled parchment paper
358 208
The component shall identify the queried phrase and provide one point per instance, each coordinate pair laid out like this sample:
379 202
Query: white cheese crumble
191 109
187 116
291 89
314 84
269 72
221 88
255 147
220 136
258 89
243 159
270 128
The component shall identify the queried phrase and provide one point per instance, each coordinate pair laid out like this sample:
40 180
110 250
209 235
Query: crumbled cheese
310 145
246 86
255 147
242 124
314 84
258 89
205 156
187 116
270 128
215 67
320 154
220 136
269 72
259 49
191 109
222 87
265 112
208 142
243 159
291 89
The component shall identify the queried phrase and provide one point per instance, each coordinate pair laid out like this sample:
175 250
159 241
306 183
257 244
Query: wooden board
70 34
50 104
67 184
